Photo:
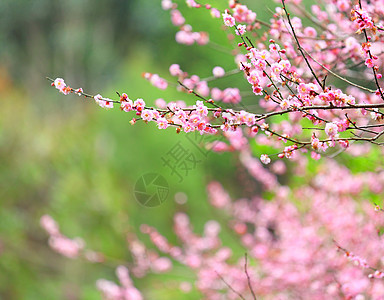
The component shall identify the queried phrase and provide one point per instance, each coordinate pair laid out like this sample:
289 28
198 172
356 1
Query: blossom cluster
329 246
362 19
127 290
186 35
63 88
65 246
186 118
294 252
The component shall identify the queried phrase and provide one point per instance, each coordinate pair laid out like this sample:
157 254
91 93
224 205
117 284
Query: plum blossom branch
361 262
276 73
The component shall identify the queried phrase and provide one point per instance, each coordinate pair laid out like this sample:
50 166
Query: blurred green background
64 156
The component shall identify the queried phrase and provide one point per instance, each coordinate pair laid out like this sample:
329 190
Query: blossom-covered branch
287 86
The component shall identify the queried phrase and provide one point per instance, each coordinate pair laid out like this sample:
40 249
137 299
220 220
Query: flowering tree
318 90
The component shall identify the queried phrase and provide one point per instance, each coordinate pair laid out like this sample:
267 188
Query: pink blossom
260 64
344 143
181 115
257 90
249 119
65 246
202 88
50 225
147 115
362 19
201 38
342 125
126 105
175 70
201 109
184 37
279 167
218 72
162 123
139 104
192 3
160 103
231 95
343 5
189 83
310 32
228 19
195 79
331 130
219 146
215 13
194 120
103 102
303 89
274 48
377 274
317 145
110 289
369 63
217 195
161 265
262 55
375 114
177 18
107 104
276 69
253 77
241 29
59 84
242 14
265 159
158 82
216 94
284 104
315 155
187 128
285 65
166 4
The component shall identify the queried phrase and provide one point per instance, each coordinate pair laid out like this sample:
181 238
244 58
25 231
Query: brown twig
230 287
298 44
248 278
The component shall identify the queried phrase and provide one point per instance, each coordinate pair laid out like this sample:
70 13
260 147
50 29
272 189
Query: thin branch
248 278
228 73
198 95
371 57
357 127
336 75
228 285
298 44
